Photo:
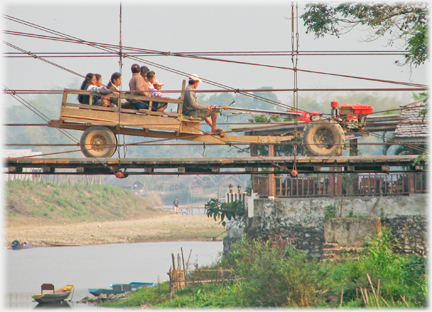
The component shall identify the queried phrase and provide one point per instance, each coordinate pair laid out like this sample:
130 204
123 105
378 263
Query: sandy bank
166 227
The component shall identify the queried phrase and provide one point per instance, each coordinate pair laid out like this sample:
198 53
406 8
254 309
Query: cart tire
323 138
98 142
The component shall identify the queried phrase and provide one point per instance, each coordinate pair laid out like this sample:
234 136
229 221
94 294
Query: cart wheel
98 142
323 138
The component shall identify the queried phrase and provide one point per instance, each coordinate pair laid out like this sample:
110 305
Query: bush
273 277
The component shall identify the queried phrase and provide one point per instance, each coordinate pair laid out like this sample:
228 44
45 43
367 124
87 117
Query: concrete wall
351 232
301 221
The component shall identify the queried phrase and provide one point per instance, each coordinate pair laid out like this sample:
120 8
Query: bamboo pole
403 299
363 296
184 268
385 302
373 290
341 298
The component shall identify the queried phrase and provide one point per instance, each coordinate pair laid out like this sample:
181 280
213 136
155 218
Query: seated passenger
156 106
104 101
138 86
114 84
82 98
191 106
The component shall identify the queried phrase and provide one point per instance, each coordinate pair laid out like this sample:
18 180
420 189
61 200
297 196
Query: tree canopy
405 22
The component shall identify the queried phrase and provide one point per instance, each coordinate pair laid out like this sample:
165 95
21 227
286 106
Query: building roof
413 127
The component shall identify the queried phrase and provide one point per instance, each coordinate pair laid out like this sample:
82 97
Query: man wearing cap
191 106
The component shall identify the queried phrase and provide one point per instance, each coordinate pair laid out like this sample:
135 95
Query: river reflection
94 267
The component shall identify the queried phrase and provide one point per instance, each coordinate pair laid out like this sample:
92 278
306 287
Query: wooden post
271 177
254 177
331 186
411 186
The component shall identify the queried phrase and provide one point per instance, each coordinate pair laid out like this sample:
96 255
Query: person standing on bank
176 203
191 106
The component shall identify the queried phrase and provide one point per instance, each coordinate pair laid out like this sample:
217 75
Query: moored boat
118 288
16 244
52 295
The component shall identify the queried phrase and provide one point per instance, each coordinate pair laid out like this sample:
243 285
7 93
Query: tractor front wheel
98 142
323 138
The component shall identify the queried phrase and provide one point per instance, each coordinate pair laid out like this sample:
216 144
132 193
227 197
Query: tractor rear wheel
323 138
98 142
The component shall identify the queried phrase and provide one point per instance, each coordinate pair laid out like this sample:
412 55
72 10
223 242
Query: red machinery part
306 116
358 109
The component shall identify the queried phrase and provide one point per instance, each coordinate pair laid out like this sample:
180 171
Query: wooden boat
118 288
16 244
52 295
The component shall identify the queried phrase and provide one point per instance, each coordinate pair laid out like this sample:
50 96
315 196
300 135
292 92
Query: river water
93 267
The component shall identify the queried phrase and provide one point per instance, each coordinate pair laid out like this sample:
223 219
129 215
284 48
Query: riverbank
164 227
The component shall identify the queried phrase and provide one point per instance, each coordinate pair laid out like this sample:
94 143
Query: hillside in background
63 203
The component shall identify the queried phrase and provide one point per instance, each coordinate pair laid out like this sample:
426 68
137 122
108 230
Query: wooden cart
102 124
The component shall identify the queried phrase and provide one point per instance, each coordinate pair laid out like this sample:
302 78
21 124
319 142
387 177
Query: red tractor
326 136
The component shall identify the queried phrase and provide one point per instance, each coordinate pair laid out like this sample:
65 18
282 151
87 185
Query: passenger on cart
156 106
192 107
138 86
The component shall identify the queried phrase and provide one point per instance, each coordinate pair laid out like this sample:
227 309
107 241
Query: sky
190 27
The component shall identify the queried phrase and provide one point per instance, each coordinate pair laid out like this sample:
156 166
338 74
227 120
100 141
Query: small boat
107 291
52 295
135 285
16 244
118 288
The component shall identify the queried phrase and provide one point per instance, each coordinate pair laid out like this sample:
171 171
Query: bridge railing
342 184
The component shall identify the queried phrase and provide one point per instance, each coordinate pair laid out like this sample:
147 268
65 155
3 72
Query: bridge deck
224 165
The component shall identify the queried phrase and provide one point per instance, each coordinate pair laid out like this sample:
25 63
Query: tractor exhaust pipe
334 110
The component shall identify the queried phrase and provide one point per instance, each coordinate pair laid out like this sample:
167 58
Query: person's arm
193 101
157 93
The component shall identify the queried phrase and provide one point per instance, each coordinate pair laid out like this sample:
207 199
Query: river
93 267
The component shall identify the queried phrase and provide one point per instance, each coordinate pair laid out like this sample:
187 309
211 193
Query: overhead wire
106 47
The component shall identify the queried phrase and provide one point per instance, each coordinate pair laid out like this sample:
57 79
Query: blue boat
118 288
135 285
16 244
107 291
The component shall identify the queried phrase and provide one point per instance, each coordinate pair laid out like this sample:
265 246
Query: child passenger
157 84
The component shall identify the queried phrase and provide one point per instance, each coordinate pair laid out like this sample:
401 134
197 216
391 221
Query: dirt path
166 227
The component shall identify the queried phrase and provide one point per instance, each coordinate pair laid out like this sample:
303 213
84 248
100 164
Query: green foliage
329 212
273 277
219 211
407 22
398 274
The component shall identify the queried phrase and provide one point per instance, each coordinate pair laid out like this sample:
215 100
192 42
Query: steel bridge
221 165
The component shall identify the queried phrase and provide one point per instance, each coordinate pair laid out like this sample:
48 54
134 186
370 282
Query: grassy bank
281 276
61 203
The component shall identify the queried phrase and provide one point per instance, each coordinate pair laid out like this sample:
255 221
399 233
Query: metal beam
225 165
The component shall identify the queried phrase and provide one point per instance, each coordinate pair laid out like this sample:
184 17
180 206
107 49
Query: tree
398 21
